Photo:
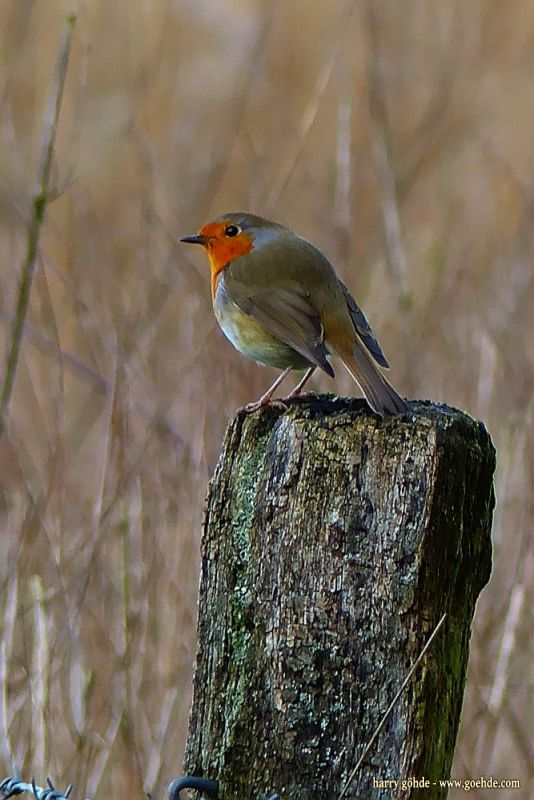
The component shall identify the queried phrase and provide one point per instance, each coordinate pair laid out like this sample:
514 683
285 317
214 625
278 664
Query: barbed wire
13 785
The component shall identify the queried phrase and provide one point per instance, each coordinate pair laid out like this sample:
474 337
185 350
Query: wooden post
333 543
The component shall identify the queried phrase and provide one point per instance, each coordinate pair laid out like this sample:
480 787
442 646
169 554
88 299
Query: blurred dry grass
396 136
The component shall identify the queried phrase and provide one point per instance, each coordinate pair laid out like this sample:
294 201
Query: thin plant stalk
40 201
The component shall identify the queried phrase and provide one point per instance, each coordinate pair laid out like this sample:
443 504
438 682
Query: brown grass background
399 138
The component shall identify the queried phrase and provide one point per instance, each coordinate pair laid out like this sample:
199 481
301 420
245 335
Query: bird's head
232 235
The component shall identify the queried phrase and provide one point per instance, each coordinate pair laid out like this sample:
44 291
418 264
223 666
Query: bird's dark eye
232 230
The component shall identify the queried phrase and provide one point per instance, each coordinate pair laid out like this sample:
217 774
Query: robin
279 301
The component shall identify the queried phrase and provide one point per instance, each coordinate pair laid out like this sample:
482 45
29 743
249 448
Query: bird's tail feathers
378 391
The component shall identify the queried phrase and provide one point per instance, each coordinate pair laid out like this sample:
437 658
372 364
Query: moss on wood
333 542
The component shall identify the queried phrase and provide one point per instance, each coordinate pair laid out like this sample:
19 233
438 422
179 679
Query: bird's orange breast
223 249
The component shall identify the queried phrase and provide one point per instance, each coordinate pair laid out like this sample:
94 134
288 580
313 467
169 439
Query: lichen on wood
333 543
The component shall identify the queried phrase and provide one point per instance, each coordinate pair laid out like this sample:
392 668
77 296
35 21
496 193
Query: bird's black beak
196 239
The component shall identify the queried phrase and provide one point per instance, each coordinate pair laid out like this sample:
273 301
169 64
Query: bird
278 300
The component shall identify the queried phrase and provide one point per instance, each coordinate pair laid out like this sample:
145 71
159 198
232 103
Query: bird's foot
297 391
265 399
263 402
294 393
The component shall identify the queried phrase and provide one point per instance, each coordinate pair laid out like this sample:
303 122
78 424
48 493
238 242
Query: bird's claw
250 408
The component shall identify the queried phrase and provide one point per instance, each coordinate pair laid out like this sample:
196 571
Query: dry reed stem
41 198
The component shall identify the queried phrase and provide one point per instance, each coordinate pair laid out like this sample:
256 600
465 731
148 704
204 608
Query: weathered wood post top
333 543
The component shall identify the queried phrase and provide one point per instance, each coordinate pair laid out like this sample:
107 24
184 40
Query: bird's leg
300 386
265 398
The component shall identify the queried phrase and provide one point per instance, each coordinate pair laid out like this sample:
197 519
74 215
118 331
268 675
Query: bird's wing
363 329
286 312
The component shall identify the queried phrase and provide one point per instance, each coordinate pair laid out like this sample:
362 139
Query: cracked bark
333 542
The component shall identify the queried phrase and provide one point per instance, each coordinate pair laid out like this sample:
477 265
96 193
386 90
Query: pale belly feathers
251 338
